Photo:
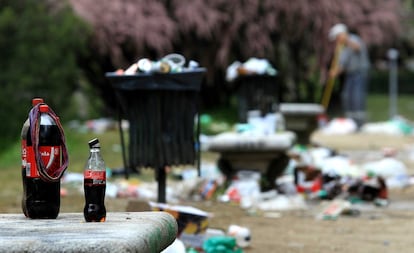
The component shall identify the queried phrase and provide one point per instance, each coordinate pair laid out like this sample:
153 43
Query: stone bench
244 151
143 232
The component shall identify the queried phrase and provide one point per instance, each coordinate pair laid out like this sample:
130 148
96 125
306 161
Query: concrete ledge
143 232
310 109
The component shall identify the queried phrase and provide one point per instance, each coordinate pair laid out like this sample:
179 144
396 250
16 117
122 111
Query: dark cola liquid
94 201
41 200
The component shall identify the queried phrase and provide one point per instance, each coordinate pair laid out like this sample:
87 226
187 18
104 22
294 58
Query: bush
39 59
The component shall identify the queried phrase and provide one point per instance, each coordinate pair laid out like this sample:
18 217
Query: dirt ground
376 229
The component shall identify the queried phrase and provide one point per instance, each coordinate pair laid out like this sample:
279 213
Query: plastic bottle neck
95 150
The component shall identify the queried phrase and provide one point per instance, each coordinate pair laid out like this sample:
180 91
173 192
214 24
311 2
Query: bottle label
50 156
24 154
96 177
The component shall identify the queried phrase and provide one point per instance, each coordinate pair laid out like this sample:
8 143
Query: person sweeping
353 62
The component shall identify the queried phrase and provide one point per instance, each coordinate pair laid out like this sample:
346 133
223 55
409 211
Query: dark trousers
354 96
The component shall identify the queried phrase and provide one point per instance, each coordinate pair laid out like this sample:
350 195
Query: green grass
77 144
218 119
378 107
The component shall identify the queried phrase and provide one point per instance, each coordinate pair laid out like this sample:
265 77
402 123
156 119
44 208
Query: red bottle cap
36 101
44 108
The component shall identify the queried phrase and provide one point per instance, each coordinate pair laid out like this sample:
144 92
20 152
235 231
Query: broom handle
331 81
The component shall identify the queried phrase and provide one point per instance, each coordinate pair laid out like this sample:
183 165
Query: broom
331 81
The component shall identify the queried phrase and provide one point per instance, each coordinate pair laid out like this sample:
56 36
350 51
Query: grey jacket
352 61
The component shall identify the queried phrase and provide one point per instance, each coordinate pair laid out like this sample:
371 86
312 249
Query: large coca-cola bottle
95 184
25 129
41 198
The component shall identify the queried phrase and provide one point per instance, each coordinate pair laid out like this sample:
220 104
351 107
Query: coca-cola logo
50 156
48 151
44 153
96 175
88 174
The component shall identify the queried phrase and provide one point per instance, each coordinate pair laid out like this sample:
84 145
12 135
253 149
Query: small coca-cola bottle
94 184
41 198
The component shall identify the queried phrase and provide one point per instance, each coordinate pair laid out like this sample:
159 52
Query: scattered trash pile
322 173
333 183
171 63
194 235
319 173
395 126
398 126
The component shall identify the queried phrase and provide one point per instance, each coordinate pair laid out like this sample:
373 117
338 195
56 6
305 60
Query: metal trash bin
161 110
255 92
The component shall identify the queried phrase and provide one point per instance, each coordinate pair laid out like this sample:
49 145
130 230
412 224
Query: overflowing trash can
161 110
255 84
255 92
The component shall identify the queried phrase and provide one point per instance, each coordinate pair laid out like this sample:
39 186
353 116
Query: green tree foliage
39 47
